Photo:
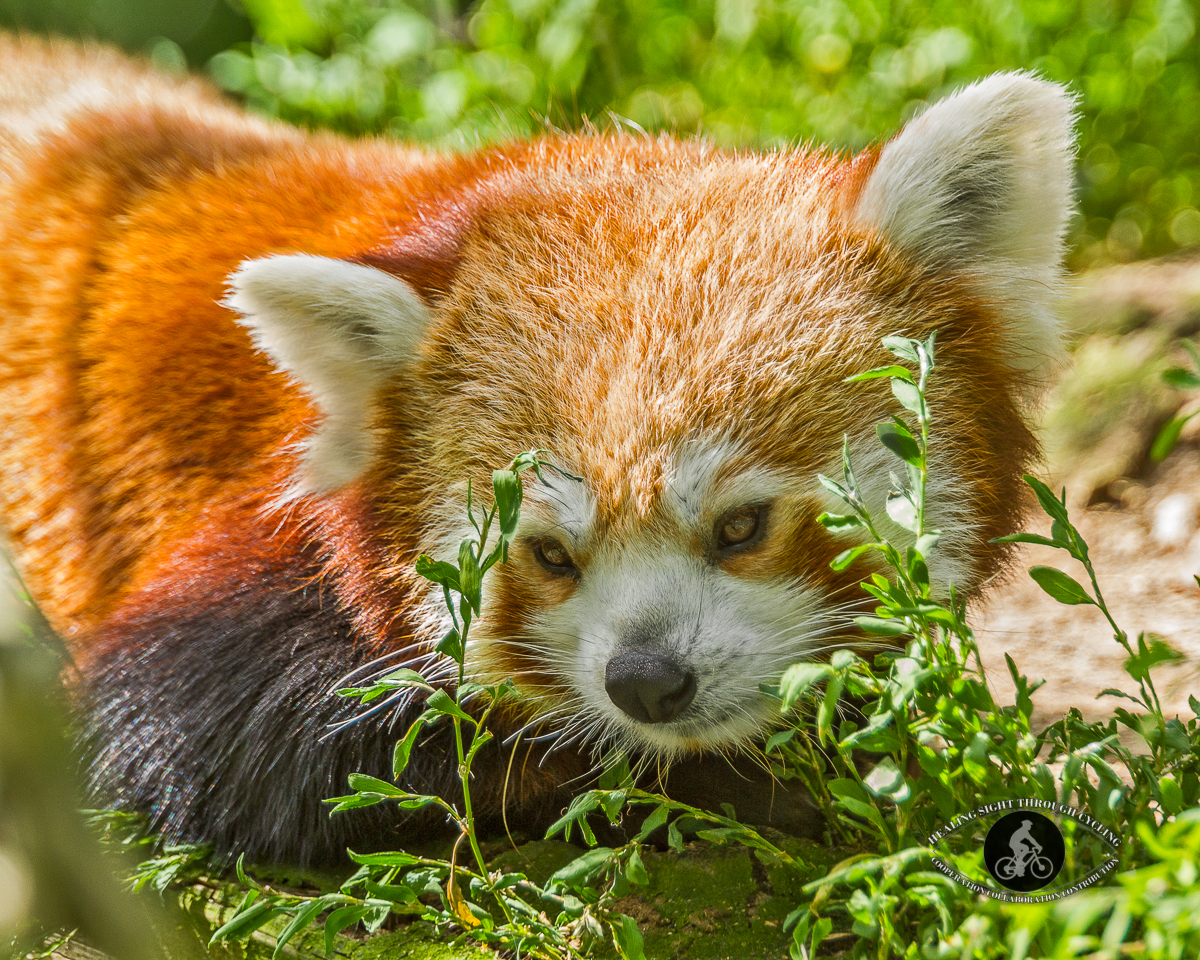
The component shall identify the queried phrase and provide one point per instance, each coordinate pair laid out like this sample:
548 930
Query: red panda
246 373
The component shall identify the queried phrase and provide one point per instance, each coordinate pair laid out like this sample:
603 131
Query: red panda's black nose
649 687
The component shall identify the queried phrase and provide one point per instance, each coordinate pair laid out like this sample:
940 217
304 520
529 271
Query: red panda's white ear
339 329
981 183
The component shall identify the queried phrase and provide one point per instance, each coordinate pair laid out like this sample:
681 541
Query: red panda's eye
553 556
739 526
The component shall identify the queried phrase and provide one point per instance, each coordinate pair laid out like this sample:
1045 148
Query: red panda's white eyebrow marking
707 481
561 505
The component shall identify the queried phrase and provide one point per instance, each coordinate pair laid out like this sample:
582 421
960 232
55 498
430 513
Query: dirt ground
1141 519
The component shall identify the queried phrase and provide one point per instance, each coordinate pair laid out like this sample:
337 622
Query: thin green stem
1146 683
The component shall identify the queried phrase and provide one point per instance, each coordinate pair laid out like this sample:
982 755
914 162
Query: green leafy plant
948 747
1181 378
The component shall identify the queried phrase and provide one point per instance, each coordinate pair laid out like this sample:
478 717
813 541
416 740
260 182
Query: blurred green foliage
743 72
175 32
839 72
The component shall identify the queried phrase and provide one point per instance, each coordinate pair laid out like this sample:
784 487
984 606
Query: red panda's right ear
981 184
339 329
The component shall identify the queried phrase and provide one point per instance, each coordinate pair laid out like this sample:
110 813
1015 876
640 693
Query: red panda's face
676 327
655 624
659 636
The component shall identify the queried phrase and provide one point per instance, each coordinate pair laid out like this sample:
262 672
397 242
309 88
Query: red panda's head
675 324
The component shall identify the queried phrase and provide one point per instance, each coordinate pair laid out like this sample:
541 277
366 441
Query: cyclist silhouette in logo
1026 853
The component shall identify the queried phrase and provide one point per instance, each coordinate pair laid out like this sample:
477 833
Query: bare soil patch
1141 519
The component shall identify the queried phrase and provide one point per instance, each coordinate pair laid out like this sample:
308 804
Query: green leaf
900 441
893 370
1168 436
304 916
1149 655
439 571
875 737
1026 538
1181 379
286 23
404 748
798 678
887 780
839 521
506 486
843 659
635 870
1170 794
392 892
918 570
881 627
865 809
355 801
441 702
821 929
612 802
777 740
1022 686
451 646
362 783
627 938
927 543
246 920
393 858
902 510
1114 692
903 347
375 919
909 396
848 471
576 815
835 488
720 835
657 818
470 575
405 677
1061 587
929 352
828 708
582 868
1052 506
847 557
339 920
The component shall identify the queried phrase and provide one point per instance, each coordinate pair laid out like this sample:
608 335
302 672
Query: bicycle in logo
1038 866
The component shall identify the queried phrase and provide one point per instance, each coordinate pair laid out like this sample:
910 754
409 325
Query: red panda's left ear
982 184
339 329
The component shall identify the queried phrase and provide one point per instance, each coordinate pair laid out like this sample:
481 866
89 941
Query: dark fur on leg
216 724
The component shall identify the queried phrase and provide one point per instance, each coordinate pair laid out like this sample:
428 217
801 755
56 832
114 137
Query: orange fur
610 298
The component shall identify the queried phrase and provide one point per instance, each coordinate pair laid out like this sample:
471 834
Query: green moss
698 904
409 945
538 859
